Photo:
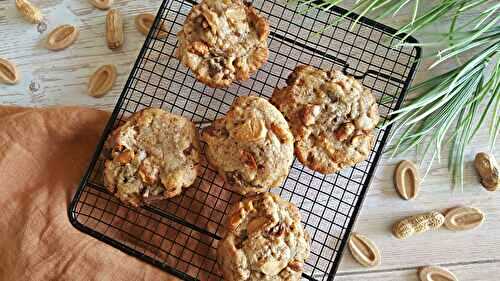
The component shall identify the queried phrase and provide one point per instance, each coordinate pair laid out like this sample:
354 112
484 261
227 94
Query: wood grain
61 78
465 272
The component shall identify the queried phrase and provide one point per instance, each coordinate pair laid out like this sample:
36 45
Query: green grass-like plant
451 107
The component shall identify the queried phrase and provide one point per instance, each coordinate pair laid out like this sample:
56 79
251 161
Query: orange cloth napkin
43 154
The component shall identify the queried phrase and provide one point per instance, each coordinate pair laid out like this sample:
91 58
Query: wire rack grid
180 235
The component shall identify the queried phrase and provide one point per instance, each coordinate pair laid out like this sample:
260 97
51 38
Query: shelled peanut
114 29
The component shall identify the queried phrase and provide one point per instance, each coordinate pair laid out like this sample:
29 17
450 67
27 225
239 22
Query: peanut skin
418 224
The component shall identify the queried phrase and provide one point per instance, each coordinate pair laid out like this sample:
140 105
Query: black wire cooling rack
180 235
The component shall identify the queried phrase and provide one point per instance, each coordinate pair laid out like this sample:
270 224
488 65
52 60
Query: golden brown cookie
153 155
265 241
251 147
222 41
331 115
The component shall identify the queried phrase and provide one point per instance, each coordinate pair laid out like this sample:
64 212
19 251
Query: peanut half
407 180
252 129
102 81
364 251
463 218
418 224
30 12
114 29
487 168
145 21
8 72
101 4
62 37
436 273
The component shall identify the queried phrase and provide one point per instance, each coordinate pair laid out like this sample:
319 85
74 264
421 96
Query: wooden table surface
60 78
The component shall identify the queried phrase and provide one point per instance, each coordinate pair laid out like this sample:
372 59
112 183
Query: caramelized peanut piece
251 130
248 159
280 133
125 157
310 113
344 131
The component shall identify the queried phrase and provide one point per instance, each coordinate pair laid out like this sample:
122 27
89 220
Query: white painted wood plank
487 271
60 78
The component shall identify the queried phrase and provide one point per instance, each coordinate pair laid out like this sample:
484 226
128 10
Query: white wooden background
61 78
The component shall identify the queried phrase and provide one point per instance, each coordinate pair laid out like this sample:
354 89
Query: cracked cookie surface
251 147
331 115
265 241
223 41
152 156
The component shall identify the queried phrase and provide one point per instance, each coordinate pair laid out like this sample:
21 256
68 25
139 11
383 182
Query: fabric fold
43 155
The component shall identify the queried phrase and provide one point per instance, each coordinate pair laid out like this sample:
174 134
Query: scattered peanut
30 12
487 168
62 37
8 72
114 29
463 218
436 273
407 180
418 224
102 81
364 251
101 4
145 21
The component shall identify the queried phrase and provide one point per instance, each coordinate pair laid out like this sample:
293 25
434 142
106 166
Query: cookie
331 115
223 41
251 147
152 156
264 241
